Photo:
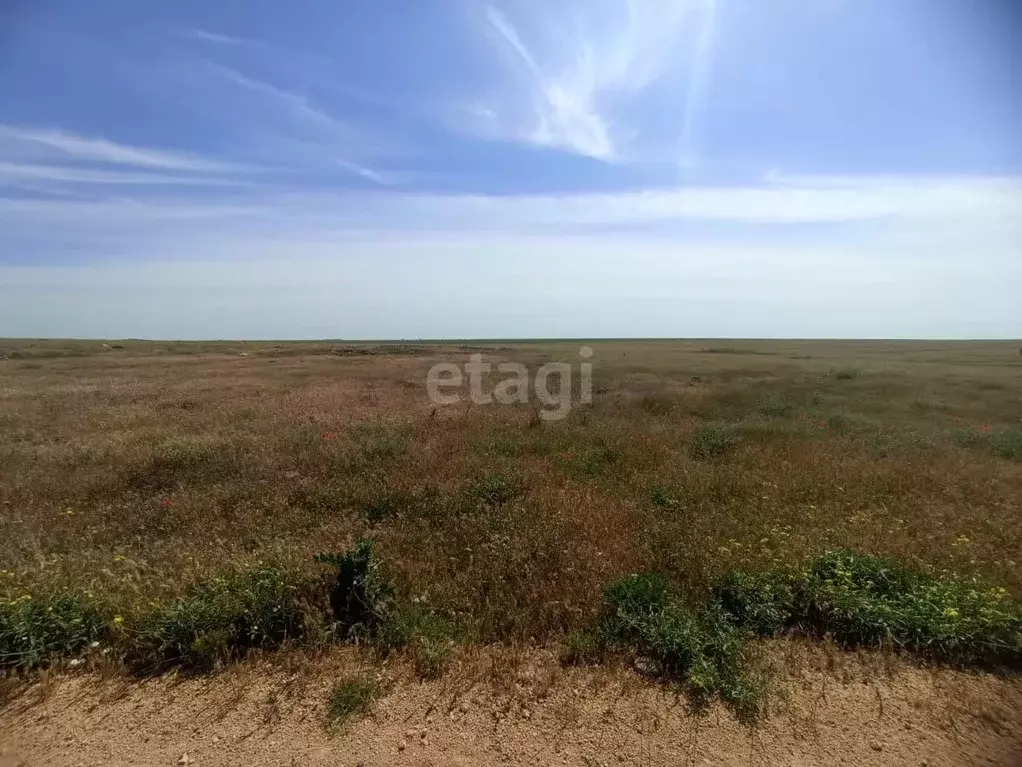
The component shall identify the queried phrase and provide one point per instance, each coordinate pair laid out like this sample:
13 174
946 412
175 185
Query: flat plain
133 472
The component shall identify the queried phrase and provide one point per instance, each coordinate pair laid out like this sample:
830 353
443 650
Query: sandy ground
531 712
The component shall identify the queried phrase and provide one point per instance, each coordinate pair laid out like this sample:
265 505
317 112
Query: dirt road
529 713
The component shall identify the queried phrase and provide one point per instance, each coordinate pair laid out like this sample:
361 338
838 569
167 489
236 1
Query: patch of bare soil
529 712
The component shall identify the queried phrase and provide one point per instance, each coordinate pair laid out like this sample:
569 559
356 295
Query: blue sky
515 168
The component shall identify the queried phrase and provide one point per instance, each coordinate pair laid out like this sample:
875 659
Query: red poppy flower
329 435
985 427
166 502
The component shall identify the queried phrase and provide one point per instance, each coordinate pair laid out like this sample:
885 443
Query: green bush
763 602
496 488
714 441
846 374
839 423
38 629
656 404
593 460
429 637
665 497
865 600
362 596
1007 443
581 647
322 499
217 619
775 408
699 649
377 443
350 698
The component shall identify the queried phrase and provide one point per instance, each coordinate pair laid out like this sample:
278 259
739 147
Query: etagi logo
445 379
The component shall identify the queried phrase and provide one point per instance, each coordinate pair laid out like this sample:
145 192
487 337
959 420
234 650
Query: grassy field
157 487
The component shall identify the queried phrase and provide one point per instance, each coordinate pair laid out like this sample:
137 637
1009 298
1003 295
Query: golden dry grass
134 469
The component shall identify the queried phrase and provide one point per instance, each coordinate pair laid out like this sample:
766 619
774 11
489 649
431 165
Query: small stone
402 746
185 759
876 746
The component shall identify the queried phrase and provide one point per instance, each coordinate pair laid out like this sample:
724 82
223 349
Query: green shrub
1007 443
38 629
362 596
699 649
376 443
593 460
429 637
865 600
496 489
322 499
763 602
218 619
582 647
846 374
967 437
428 504
714 441
774 408
350 698
656 404
839 423
505 445
666 497
386 505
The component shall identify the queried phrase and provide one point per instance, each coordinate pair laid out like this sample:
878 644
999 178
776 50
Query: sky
511 169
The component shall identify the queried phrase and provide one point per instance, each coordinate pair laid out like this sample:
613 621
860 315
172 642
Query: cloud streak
785 202
216 38
699 80
17 173
76 147
573 81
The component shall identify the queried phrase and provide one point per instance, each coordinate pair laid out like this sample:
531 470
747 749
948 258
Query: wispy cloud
917 202
102 150
698 85
573 78
299 131
217 38
16 173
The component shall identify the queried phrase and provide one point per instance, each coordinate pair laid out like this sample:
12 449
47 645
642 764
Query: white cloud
216 38
917 203
574 79
292 130
699 80
266 263
14 140
17 173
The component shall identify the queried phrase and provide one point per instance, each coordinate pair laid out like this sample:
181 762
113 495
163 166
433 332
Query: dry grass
136 469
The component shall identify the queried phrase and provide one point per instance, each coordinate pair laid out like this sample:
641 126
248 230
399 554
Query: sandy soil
530 712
